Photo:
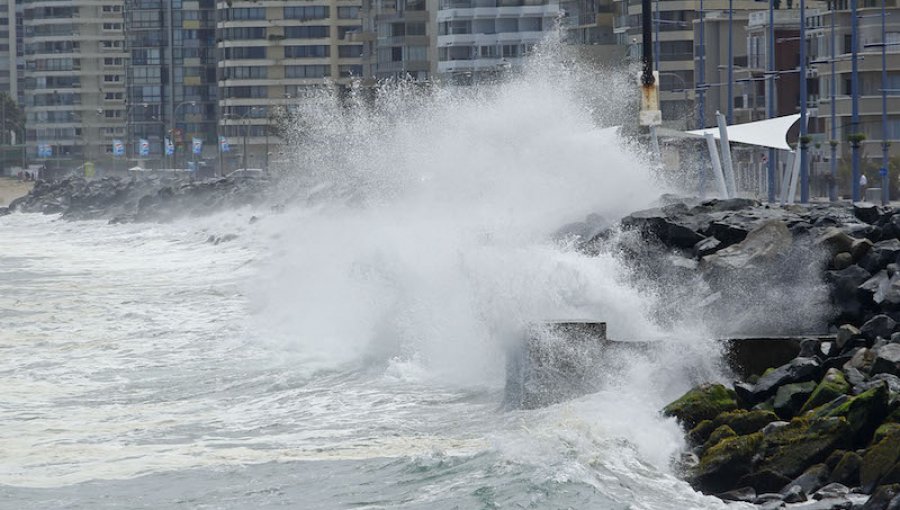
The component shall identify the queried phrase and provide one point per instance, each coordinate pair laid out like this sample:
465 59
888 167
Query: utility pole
885 162
730 109
854 96
770 96
804 142
832 189
701 91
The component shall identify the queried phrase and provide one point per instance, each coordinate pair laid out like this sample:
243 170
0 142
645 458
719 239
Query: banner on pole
44 150
118 148
144 147
197 145
170 147
223 144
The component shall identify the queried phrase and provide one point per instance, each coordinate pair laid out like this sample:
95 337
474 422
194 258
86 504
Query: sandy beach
11 189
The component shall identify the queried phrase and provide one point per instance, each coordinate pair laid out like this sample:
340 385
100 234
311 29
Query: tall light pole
730 110
656 35
854 97
701 50
804 163
770 96
885 180
832 190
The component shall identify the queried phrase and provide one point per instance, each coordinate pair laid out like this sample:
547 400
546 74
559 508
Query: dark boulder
704 402
790 450
811 480
833 385
863 413
724 464
879 460
880 255
866 211
847 470
797 371
879 326
887 360
655 223
790 398
882 498
845 294
745 494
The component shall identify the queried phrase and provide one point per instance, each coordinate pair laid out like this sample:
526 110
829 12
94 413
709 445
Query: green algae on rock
704 402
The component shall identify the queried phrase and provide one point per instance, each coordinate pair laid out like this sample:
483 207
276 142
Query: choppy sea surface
134 373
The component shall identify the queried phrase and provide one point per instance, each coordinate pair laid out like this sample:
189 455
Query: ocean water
348 350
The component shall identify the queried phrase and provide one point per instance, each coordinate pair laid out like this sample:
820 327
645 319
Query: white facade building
486 36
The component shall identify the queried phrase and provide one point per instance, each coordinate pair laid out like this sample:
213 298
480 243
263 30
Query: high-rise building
677 47
11 64
171 81
589 22
400 39
482 37
74 80
272 54
869 77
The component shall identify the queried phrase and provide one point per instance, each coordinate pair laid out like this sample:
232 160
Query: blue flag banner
170 147
44 150
197 145
118 148
223 144
144 147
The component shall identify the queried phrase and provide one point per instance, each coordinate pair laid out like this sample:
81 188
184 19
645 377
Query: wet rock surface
824 430
122 200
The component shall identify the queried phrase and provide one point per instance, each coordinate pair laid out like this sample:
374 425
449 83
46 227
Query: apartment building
171 78
833 78
74 80
677 44
273 54
399 39
588 22
479 38
11 63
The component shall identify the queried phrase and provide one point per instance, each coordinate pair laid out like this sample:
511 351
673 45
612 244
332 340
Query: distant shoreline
12 188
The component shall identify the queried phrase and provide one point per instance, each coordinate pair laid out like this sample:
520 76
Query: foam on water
363 330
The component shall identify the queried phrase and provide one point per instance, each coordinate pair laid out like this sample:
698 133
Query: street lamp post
832 190
731 62
854 97
701 49
804 142
770 97
885 180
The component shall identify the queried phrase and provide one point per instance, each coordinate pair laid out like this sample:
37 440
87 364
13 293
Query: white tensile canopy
763 133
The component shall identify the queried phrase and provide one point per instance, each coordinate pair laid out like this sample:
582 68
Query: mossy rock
704 402
724 464
833 385
721 433
745 422
864 412
700 433
847 470
879 460
768 405
790 398
884 430
791 449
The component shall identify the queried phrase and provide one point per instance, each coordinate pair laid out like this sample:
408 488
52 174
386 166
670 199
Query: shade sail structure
764 133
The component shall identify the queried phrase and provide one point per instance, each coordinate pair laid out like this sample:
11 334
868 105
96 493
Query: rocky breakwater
138 199
824 426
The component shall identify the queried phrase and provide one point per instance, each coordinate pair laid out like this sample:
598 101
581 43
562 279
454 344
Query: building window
245 53
343 31
350 71
245 72
311 71
311 32
243 13
348 12
245 33
307 12
349 51
313 51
